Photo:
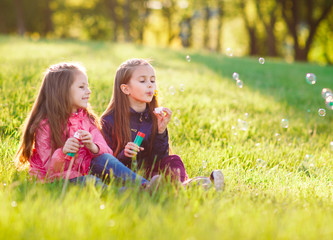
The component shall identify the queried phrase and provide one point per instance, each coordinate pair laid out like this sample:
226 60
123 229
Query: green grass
280 196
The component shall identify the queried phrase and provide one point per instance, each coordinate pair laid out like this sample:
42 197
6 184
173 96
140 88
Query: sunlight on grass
278 180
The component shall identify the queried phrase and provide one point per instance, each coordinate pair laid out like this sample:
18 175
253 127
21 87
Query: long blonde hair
54 104
119 105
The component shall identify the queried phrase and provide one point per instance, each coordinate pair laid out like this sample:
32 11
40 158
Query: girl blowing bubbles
131 110
60 110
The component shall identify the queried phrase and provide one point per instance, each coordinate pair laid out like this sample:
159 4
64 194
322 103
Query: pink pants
171 166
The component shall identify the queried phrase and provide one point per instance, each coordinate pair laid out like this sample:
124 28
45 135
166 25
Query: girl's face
140 88
79 91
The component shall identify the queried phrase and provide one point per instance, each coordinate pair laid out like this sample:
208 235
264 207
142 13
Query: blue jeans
83 180
105 165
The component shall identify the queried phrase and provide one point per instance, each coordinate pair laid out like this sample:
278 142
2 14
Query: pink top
47 166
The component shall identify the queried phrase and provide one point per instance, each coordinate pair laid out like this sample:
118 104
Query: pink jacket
47 166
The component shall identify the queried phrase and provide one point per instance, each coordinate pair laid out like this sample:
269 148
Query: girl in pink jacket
61 110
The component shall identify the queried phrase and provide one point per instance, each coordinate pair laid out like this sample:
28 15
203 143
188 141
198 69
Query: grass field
278 180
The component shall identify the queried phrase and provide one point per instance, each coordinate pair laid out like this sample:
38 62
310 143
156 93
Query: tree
267 12
19 17
306 14
251 27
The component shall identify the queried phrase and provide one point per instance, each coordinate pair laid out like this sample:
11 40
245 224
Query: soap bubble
204 164
311 78
246 115
102 207
284 123
239 83
321 112
277 136
261 60
329 102
261 163
13 204
182 87
308 157
242 125
229 52
188 58
172 90
235 76
331 146
176 121
326 92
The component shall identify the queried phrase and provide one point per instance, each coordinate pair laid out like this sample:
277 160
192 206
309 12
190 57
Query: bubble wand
138 140
70 157
158 110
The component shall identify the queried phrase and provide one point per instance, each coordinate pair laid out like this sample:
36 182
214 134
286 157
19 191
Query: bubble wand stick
138 140
158 110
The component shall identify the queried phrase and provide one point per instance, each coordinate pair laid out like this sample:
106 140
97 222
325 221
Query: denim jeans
105 165
83 180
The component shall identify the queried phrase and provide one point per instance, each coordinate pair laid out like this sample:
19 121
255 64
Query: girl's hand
72 145
163 119
87 141
131 149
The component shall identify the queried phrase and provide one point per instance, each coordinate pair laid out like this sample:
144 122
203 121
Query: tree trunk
251 30
112 5
219 26
19 17
206 28
292 19
48 18
269 27
127 20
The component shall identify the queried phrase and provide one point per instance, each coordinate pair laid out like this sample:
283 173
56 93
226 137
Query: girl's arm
51 163
99 140
107 124
161 145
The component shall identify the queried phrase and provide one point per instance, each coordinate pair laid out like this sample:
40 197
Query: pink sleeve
52 163
99 140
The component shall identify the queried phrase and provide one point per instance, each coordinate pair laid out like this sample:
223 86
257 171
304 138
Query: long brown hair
119 105
54 104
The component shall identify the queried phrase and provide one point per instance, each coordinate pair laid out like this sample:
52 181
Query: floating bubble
13 204
172 90
261 163
329 102
188 58
308 157
242 125
102 207
311 78
257 144
277 136
204 164
261 60
176 121
321 112
4 184
246 115
178 111
239 83
229 52
331 146
326 92
182 87
284 123
235 76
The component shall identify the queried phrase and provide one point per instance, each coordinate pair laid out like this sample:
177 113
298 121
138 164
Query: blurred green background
299 30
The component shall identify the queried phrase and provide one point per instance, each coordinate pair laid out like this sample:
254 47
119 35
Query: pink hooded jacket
47 167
